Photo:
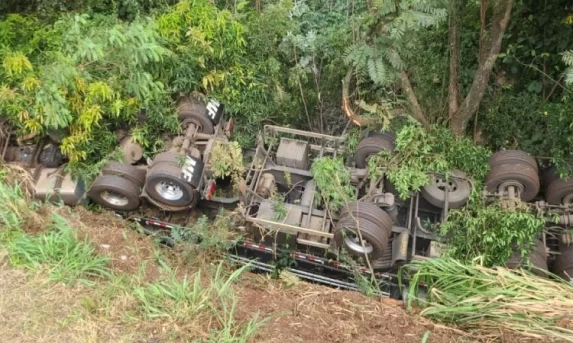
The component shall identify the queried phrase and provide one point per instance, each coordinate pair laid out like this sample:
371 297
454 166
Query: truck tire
166 157
537 259
164 185
126 171
549 175
368 211
371 146
458 195
564 262
375 236
115 192
513 157
560 192
192 110
522 175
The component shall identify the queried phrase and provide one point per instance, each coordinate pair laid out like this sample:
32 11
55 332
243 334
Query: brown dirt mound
311 313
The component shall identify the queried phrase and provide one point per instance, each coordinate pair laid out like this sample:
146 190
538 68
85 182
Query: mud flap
192 171
214 111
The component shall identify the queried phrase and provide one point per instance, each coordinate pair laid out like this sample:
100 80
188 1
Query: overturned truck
282 206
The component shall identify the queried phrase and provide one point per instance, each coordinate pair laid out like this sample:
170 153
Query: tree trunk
415 107
470 105
454 42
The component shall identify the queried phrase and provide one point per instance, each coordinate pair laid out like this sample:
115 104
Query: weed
67 258
198 298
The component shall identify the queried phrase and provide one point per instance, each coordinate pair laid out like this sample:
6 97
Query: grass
59 251
212 300
494 300
197 304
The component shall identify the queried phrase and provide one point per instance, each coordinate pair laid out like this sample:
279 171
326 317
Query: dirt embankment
34 310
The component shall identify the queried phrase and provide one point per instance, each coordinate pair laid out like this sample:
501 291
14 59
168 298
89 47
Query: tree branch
454 42
415 107
470 105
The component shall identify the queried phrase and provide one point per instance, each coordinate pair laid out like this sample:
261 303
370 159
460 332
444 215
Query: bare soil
35 310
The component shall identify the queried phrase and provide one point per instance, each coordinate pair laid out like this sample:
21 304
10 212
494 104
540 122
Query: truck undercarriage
284 210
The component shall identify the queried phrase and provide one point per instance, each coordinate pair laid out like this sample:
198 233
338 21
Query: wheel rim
114 198
169 191
443 184
352 243
567 200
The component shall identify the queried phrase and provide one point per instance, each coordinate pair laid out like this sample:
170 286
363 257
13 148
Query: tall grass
13 204
494 300
199 299
58 250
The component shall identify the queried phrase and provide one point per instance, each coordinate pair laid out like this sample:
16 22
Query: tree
489 50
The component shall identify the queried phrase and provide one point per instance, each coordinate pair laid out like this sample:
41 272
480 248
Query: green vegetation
419 152
333 181
490 232
67 258
44 241
494 301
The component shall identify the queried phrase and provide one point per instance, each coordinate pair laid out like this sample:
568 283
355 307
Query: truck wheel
166 157
191 110
459 190
513 157
368 211
538 259
549 175
126 171
375 237
560 192
115 192
371 146
165 186
564 262
522 177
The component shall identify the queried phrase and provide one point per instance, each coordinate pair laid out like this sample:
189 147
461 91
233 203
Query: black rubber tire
564 262
375 234
513 157
126 171
190 108
51 156
371 146
538 260
549 175
168 173
557 190
368 211
525 175
456 199
129 190
166 157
